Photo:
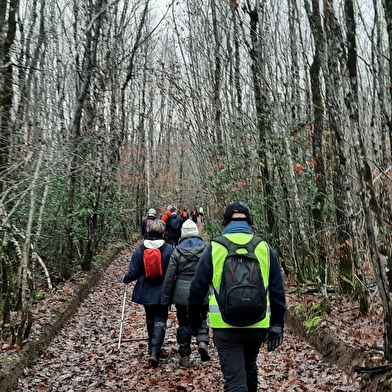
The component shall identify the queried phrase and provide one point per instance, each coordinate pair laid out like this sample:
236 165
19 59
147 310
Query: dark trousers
238 349
184 335
156 318
173 241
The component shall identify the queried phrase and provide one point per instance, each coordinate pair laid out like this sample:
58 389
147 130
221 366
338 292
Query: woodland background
110 107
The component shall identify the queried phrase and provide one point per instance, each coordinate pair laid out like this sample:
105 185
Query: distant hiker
173 226
167 213
151 215
184 214
238 346
182 268
201 214
149 293
194 214
164 218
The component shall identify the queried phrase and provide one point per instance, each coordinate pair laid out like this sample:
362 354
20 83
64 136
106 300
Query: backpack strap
222 240
232 247
162 248
255 241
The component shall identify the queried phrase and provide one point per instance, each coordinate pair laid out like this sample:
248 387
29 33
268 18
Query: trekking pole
122 317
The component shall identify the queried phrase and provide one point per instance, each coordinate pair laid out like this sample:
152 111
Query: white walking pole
122 317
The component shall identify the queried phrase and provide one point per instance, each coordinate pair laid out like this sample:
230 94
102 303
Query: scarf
237 227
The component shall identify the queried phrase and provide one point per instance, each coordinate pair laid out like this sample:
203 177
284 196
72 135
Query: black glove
195 323
275 337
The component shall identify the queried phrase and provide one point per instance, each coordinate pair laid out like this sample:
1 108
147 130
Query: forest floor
81 353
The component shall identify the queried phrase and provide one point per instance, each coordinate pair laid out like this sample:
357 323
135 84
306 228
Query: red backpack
152 261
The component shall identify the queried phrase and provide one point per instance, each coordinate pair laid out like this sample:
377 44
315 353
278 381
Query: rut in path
84 355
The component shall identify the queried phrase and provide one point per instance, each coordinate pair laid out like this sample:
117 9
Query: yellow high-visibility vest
219 253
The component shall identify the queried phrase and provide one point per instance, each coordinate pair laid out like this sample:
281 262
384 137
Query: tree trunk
8 12
346 240
86 75
27 287
262 113
216 100
387 4
317 139
379 245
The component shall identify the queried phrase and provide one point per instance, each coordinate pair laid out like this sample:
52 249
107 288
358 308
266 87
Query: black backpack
242 297
175 224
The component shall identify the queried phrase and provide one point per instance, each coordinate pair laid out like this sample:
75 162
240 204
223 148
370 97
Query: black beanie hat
236 207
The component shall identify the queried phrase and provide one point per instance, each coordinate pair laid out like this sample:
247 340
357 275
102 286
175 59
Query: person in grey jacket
179 274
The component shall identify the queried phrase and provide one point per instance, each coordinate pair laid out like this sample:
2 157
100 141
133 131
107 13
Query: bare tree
8 11
378 248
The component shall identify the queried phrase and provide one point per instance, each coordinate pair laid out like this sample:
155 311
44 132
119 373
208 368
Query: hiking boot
153 360
184 361
203 351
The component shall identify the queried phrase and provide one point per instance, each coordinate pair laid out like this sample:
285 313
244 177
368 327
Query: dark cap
236 207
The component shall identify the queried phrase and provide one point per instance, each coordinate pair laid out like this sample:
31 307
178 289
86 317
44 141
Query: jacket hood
152 244
192 253
189 242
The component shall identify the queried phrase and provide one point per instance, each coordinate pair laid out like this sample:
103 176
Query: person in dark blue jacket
173 226
238 347
147 294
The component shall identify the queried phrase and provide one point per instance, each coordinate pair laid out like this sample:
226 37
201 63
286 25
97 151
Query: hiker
194 214
184 214
151 215
181 269
173 227
164 218
238 347
201 214
147 294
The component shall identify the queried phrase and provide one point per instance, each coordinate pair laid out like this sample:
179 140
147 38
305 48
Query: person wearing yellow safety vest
201 214
238 347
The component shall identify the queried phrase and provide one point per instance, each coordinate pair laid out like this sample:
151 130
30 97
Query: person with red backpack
148 290
151 215
165 217
194 214
184 214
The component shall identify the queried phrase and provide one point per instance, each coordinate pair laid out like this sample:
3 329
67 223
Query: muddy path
84 356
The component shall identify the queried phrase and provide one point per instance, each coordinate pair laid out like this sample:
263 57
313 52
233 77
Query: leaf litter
84 355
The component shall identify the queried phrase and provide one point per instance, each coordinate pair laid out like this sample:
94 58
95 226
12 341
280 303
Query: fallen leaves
84 356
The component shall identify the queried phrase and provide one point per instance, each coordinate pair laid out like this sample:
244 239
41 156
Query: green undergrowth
12 364
312 314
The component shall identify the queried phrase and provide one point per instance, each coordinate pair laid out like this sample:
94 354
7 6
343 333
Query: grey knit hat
189 229
152 212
